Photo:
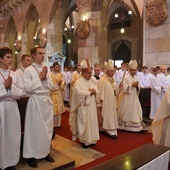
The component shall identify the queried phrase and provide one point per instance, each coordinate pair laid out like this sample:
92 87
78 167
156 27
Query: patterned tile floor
63 151
75 151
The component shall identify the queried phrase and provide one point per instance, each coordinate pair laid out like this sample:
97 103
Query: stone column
91 46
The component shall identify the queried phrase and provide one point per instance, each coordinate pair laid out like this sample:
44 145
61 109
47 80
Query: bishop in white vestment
83 114
129 109
106 102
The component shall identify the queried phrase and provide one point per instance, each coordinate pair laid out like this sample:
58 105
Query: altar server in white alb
39 112
26 61
162 80
10 127
129 109
83 113
144 80
156 93
121 73
161 124
106 101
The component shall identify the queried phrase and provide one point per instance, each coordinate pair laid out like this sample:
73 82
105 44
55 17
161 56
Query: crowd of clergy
101 99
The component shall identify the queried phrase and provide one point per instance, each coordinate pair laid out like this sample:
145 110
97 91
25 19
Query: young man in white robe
97 65
121 73
26 61
162 80
106 101
39 113
161 124
168 76
95 78
83 113
156 96
68 77
75 76
129 108
56 95
10 126
144 80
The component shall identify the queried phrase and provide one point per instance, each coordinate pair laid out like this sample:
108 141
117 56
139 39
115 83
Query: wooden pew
145 101
146 157
22 104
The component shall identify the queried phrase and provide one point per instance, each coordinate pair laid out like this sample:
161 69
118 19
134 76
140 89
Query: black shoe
113 136
93 144
10 168
49 158
84 146
32 162
144 131
53 135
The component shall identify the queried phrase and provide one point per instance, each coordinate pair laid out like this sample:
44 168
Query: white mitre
85 64
109 65
133 64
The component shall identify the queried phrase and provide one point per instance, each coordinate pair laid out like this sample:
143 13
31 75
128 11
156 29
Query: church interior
97 30
87 29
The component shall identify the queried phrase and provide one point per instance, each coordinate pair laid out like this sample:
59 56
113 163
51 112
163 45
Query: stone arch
31 26
60 13
72 48
132 34
57 19
11 35
130 42
121 50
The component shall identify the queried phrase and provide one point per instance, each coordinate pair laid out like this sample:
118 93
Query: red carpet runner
125 142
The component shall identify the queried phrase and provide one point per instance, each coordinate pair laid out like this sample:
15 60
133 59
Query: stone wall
156 48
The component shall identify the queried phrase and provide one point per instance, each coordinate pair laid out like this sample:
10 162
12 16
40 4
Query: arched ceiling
135 5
